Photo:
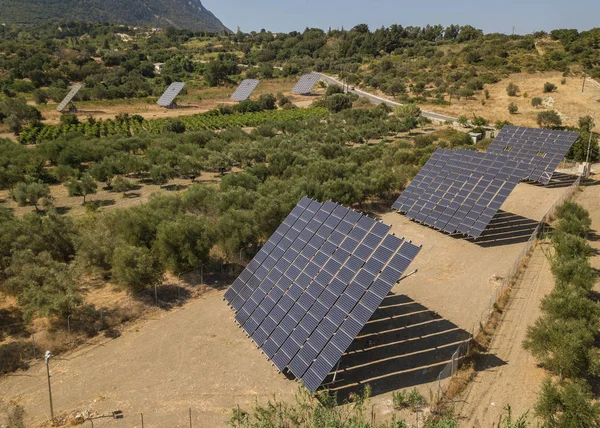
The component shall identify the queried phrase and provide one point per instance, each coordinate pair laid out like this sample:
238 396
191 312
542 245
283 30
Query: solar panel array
166 99
543 149
245 89
306 83
69 97
314 284
460 190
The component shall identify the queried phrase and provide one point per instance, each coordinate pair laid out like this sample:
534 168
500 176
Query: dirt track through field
516 381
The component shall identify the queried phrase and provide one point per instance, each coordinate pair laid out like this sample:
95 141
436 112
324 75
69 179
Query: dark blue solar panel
307 293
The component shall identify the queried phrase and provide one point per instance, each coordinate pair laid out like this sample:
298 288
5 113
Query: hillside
155 13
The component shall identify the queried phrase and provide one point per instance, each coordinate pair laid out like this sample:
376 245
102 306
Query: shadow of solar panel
305 84
245 89
167 98
69 97
304 300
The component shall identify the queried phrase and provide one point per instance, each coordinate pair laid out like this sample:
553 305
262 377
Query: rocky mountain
190 14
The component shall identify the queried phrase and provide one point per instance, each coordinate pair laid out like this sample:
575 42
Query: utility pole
583 83
47 357
589 148
513 30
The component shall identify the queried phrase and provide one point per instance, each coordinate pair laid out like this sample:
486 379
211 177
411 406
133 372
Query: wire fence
443 379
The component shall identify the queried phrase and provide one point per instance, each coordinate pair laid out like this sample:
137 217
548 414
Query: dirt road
517 381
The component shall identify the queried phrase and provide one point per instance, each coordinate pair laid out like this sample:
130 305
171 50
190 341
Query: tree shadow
404 344
11 323
505 228
174 187
63 210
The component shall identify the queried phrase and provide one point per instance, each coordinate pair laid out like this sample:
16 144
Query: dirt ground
194 102
517 380
567 100
197 357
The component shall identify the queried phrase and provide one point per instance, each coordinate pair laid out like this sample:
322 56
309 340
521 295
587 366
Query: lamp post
47 358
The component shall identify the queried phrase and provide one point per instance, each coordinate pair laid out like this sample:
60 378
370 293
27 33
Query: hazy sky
497 16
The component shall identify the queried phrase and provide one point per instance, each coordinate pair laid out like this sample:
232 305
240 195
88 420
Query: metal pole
583 83
156 293
142 416
190 417
587 156
69 324
202 274
49 386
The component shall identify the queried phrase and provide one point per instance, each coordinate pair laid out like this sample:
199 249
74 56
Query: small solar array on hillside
314 284
460 190
69 97
245 89
543 149
306 83
168 97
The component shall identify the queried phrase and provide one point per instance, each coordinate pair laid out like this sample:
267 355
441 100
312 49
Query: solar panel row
543 149
69 97
167 98
306 83
314 284
460 190
244 90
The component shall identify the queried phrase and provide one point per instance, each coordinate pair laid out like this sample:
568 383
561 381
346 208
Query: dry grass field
194 102
197 357
567 100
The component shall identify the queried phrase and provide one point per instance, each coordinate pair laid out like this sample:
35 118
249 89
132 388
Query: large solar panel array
460 190
306 83
245 89
69 97
167 98
543 149
314 284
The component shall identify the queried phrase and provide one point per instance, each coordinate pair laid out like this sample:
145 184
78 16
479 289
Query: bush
30 193
549 87
121 184
267 102
69 119
174 125
536 102
567 405
548 118
512 89
512 108
338 102
334 89
135 267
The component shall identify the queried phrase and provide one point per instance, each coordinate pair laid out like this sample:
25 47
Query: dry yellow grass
567 100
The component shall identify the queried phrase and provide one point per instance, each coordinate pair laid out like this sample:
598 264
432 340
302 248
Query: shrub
334 89
69 119
549 87
512 89
548 118
566 405
267 102
121 184
536 102
512 108
174 125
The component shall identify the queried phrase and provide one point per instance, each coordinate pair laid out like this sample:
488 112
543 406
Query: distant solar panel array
168 97
244 90
543 149
314 284
460 190
306 83
69 97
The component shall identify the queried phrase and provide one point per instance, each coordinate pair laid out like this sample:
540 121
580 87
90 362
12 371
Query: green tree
185 243
567 405
83 187
267 102
30 193
135 267
43 286
548 119
536 102
513 108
